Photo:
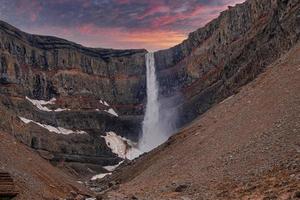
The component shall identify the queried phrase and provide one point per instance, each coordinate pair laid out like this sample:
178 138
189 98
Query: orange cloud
115 37
121 24
149 39
154 40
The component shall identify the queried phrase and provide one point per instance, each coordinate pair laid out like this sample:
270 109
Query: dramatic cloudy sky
151 24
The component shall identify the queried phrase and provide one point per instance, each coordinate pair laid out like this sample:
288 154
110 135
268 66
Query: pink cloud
86 29
155 10
164 28
92 36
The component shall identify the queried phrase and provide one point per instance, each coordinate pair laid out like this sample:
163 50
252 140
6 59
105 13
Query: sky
121 24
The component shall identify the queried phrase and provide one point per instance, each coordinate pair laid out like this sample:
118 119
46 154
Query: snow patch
40 104
58 130
112 111
104 102
100 176
133 153
123 147
112 167
61 109
26 121
116 144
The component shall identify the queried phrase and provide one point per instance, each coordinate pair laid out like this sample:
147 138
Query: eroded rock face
228 52
44 67
81 79
204 69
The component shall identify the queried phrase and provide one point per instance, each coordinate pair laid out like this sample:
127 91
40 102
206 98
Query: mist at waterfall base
160 115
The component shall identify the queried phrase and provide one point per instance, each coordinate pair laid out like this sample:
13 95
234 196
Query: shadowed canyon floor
246 147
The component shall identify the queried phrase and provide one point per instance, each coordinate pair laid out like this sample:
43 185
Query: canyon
64 102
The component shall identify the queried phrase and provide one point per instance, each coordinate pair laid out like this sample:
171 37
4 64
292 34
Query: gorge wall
49 67
86 84
228 52
204 69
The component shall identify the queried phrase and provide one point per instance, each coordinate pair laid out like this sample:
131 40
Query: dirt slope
35 178
246 147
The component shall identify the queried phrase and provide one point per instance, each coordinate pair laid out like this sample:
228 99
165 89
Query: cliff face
246 147
88 84
228 52
44 67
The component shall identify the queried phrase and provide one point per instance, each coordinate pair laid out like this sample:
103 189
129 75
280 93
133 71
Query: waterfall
154 131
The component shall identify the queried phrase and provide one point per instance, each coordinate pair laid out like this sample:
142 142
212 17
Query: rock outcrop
228 52
90 87
43 67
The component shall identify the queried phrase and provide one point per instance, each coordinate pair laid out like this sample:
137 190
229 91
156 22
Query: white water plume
157 124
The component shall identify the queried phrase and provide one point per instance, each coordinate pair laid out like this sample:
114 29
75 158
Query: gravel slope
34 177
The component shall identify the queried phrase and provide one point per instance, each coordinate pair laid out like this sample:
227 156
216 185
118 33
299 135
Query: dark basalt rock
46 67
43 67
228 52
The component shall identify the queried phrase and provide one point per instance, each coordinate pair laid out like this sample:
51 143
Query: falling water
154 132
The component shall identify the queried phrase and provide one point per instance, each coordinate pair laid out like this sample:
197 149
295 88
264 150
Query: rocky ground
246 147
210 65
36 178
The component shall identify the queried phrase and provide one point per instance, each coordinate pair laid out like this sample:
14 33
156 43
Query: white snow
112 167
123 147
58 130
112 111
116 144
133 153
40 104
99 176
61 109
26 121
105 103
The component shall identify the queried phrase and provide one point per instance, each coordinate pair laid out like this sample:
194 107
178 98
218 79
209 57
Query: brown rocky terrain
209 66
246 147
35 178
252 134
